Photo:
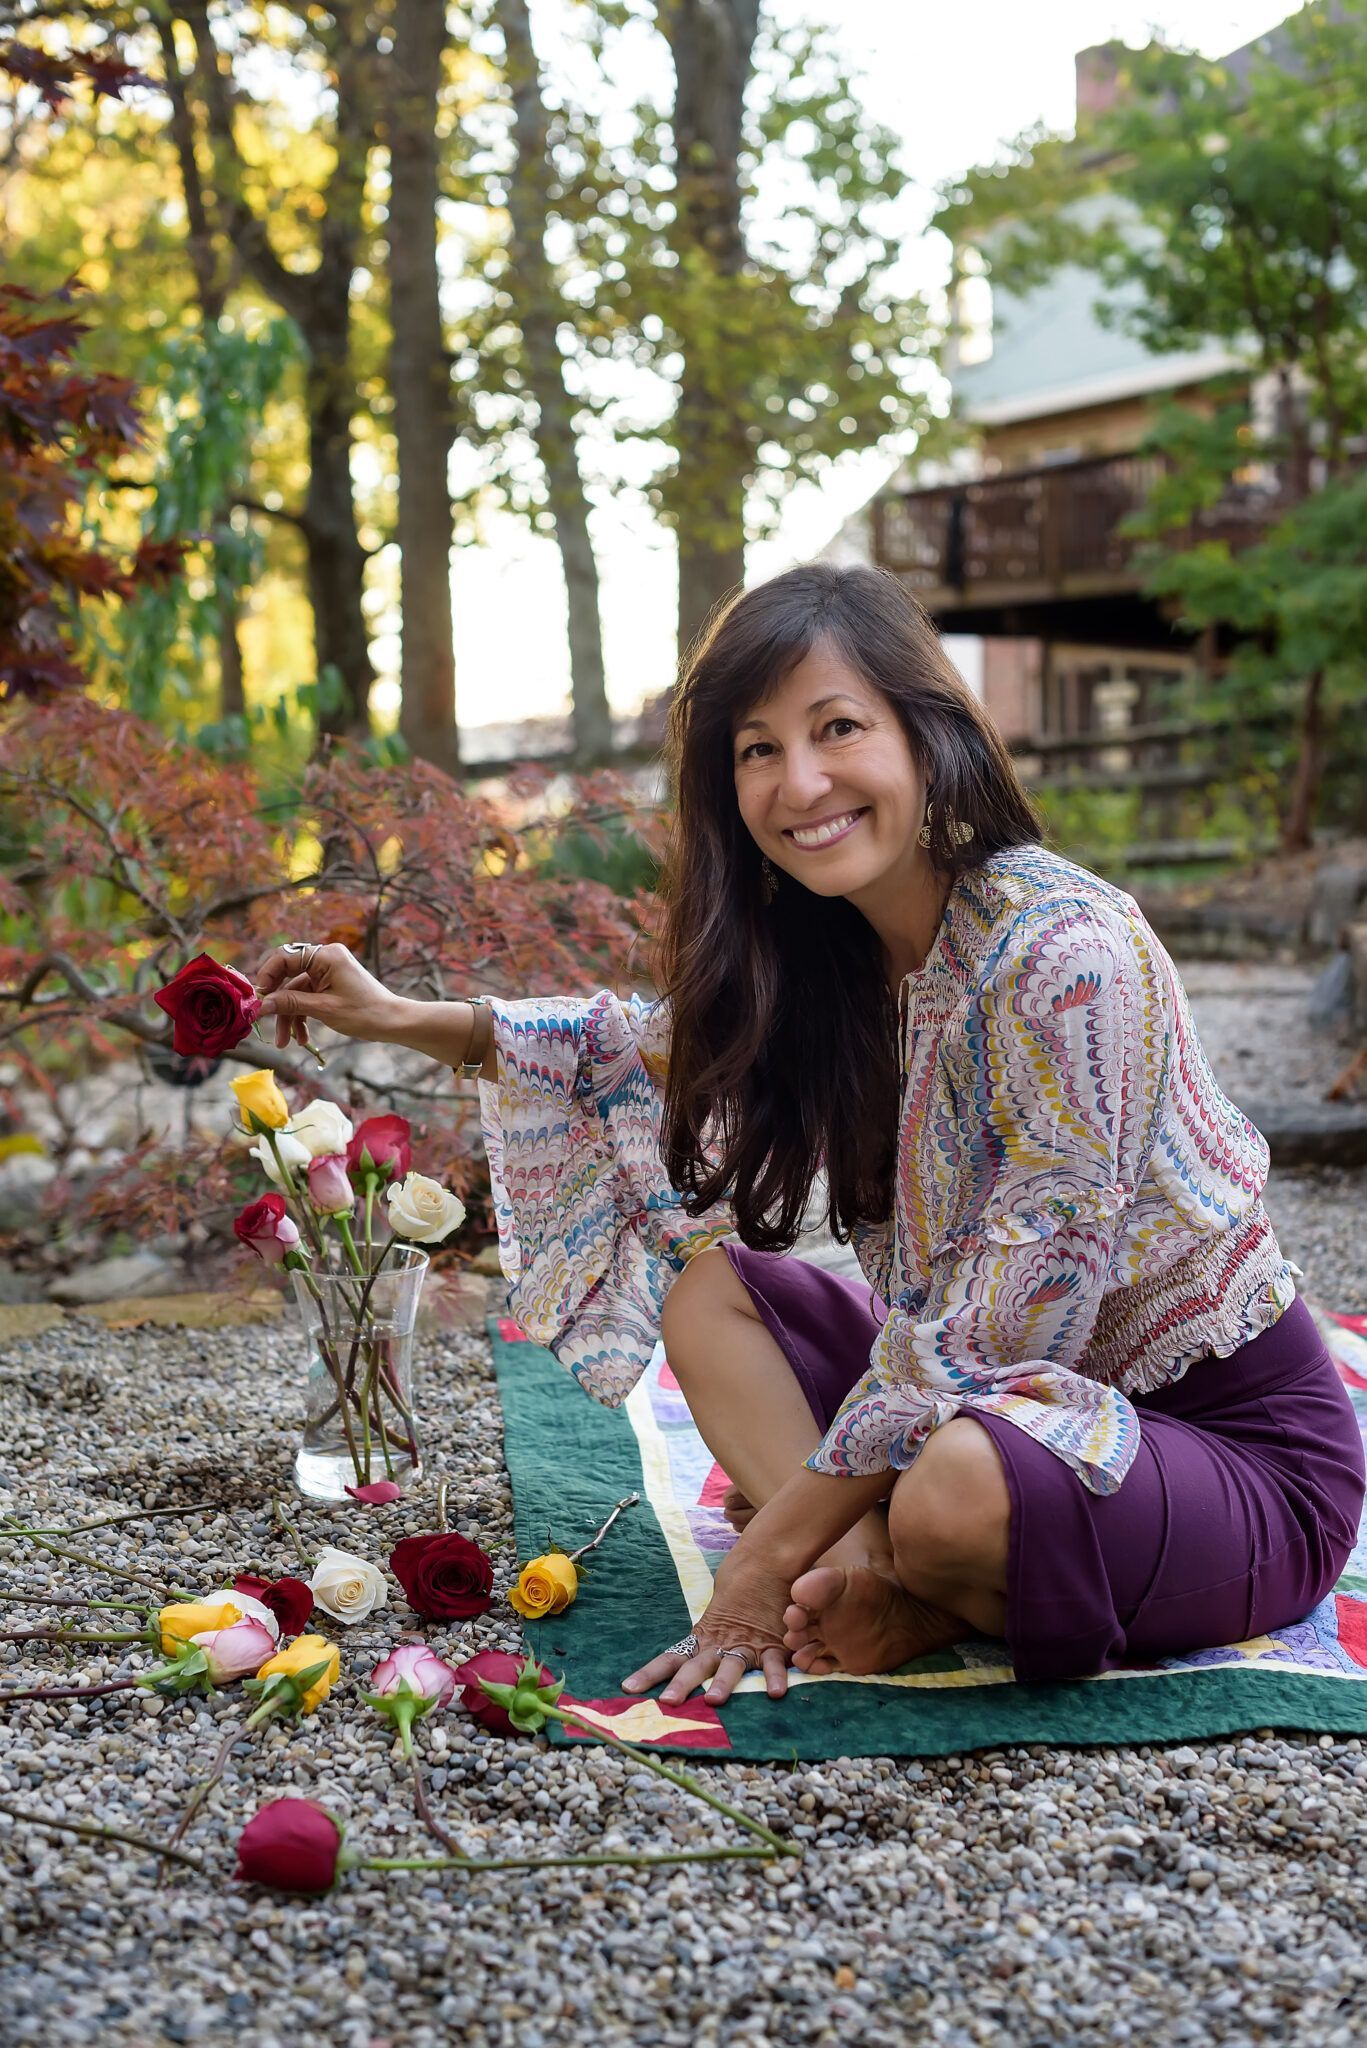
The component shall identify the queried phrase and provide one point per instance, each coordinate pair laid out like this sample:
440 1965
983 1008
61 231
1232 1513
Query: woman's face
828 786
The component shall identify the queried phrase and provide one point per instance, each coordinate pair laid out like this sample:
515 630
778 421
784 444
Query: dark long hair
783 1037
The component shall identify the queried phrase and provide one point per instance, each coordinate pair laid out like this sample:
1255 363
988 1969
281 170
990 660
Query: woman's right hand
327 983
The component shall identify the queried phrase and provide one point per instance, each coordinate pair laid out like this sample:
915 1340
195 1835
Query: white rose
346 1587
322 1128
423 1209
291 1151
250 1608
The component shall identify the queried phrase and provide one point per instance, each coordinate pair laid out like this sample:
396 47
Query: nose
804 781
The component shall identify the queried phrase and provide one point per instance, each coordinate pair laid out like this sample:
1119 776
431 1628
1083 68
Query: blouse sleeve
591 1233
1059 1075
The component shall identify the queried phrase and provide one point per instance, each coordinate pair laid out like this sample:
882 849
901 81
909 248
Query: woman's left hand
746 1613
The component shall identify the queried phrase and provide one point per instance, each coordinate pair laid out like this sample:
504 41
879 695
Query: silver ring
304 946
747 1657
687 1646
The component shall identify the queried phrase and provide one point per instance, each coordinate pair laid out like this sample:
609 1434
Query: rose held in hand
347 1587
212 1008
423 1210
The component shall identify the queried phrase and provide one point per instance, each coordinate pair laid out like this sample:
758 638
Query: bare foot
853 1619
738 1511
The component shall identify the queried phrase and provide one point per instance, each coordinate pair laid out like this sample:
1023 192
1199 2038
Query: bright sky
953 81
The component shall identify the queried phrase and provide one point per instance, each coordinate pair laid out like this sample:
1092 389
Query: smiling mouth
812 838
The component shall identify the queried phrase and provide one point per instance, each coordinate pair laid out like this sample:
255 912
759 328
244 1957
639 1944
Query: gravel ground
1207 1893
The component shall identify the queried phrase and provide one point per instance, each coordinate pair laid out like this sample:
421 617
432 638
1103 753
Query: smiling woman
1078 1334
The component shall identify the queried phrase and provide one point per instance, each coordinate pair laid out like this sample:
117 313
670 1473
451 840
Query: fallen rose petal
377 1494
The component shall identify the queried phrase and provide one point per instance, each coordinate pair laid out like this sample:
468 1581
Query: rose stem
264 1712
68 1600
332 1360
426 1815
344 1227
205 1507
70 1635
68 1692
681 1778
9 1528
94 1832
283 1521
631 1501
306 1212
441 1507
587 1862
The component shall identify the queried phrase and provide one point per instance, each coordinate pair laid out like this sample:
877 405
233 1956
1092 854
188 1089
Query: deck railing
1050 529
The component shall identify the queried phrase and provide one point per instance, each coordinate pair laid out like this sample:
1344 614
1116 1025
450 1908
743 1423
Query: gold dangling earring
923 836
768 879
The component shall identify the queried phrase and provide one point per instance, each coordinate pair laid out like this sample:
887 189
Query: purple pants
1237 1516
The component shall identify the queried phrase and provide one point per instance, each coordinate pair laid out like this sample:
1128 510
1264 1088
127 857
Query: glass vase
359 1424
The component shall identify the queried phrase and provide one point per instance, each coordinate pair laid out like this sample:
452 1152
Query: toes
814 1660
819 1588
796 1617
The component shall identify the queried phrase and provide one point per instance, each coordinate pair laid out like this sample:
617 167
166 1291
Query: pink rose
264 1227
426 1673
236 1651
329 1188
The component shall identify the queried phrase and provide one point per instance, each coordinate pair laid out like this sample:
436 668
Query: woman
1078 1403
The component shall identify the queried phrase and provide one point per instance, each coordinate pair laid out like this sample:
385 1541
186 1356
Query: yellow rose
545 1586
303 1652
258 1095
192 1618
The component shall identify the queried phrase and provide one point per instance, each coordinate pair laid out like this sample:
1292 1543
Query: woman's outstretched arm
336 990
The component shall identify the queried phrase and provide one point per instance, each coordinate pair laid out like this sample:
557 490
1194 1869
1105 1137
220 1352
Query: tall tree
318 300
1235 209
419 381
531 191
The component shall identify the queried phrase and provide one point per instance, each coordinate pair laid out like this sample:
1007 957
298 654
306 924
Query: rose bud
292 1845
422 1210
345 1586
408 1683
289 1600
183 1619
500 1668
377 1495
236 1651
265 1229
545 1586
381 1147
262 1105
329 1188
302 1656
321 1128
445 1578
212 1008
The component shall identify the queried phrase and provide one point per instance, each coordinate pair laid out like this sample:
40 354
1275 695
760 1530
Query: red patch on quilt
511 1332
691 1723
667 1379
714 1488
1352 1616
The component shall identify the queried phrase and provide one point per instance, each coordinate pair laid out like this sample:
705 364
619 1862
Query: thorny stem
441 1507
426 1815
69 1692
70 1600
283 1522
265 1712
140 1515
683 1779
94 1832
587 1862
58 1634
631 1501
11 1528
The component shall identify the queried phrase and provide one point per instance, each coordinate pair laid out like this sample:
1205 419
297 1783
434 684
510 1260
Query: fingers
693 1676
654 1673
775 1666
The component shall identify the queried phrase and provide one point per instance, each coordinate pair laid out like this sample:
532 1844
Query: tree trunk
712 42
419 381
336 559
538 307
1298 826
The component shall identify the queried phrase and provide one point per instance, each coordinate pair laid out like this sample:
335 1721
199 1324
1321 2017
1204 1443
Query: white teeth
823 834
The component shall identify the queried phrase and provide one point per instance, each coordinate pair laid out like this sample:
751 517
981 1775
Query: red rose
504 1669
289 1600
382 1144
446 1578
265 1229
211 1007
291 1845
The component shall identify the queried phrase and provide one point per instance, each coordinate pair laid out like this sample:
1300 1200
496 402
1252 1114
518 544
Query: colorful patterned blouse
1077 1212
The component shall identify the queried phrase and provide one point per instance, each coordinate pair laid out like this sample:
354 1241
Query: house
1026 553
